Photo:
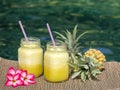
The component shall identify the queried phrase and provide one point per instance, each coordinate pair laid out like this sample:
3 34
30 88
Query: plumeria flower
19 78
27 78
13 80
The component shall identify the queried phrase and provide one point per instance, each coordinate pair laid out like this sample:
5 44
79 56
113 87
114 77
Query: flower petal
15 84
19 82
24 74
19 71
9 77
30 76
11 71
31 81
16 76
8 83
26 83
22 78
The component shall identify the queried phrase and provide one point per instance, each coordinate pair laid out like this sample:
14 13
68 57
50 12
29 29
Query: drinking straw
23 31
49 30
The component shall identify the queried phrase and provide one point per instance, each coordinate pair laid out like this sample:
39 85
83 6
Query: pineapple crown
71 39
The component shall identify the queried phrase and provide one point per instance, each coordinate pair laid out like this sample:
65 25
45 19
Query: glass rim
57 42
31 39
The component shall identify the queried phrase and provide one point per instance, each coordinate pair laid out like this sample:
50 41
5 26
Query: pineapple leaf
69 37
75 32
83 76
85 66
96 71
72 65
79 54
62 36
80 36
76 45
80 63
73 57
77 49
89 77
76 74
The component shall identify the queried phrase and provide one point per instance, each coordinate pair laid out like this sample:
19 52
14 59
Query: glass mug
56 57
30 56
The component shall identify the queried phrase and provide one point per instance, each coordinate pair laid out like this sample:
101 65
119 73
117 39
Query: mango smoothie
56 68
30 56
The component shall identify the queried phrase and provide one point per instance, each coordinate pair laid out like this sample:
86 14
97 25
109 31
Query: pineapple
84 67
97 55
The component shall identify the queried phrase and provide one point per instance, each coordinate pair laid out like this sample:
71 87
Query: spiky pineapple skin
97 55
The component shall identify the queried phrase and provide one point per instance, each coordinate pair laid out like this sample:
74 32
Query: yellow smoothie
30 56
56 68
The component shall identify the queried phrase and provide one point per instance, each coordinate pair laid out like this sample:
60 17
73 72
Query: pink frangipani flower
13 80
19 78
13 72
27 78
